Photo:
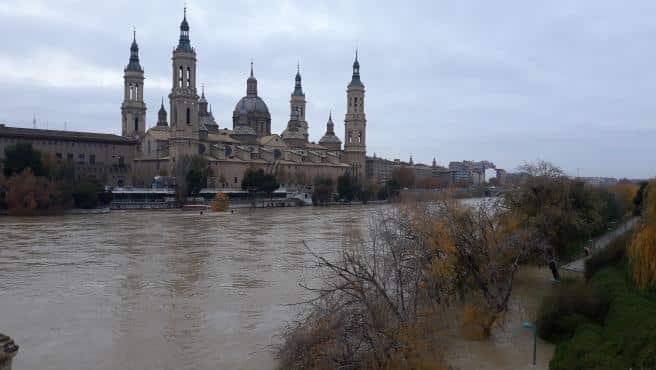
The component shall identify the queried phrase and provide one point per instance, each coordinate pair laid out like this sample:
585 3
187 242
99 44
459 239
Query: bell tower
183 96
297 103
133 109
184 122
355 123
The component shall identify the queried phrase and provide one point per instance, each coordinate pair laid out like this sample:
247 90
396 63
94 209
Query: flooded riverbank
175 289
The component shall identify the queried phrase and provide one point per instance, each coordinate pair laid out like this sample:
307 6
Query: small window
80 158
69 156
136 124
188 77
92 159
188 116
235 180
59 156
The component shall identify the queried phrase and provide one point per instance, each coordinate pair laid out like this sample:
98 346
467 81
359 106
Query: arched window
188 116
136 91
359 137
180 77
130 92
188 77
136 124
350 102
355 101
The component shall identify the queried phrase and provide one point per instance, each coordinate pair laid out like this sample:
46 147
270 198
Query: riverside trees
642 249
381 303
378 306
36 183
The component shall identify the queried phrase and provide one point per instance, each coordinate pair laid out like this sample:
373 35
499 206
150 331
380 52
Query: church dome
251 104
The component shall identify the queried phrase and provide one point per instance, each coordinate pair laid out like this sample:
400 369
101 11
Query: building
189 129
103 157
249 143
380 170
469 173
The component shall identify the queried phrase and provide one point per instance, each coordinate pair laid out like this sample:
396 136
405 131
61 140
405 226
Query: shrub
610 255
85 195
572 305
588 349
628 338
220 202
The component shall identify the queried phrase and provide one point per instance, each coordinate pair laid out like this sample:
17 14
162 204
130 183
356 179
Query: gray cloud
505 81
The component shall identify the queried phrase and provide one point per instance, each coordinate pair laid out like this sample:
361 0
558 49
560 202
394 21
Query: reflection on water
164 290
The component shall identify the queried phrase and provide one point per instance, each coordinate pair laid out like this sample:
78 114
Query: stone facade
295 160
140 154
103 157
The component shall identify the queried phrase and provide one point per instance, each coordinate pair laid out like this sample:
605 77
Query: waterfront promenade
598 244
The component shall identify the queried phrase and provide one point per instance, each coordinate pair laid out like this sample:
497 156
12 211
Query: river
168 289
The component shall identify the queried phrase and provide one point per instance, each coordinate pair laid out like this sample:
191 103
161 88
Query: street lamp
532 326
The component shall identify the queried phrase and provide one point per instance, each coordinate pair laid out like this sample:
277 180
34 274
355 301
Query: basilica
189 129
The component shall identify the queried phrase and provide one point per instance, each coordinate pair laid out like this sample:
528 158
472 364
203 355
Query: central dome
251 111
251 104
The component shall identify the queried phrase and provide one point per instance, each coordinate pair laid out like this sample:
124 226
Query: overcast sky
572 82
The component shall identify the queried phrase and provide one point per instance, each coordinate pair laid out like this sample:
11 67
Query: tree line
381 303
34 182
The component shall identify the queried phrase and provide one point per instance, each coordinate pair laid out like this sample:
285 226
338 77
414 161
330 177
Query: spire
329 139
355 79
161 115
298 89
134 64
202 103
251 83
184 44
330 126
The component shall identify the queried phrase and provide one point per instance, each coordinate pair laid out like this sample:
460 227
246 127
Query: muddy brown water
179 290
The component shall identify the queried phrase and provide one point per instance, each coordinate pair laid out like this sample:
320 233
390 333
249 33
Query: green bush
627 339
572 305
85 195
610 255
588 349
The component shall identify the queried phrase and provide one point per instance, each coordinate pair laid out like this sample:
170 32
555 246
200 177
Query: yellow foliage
642 256
476 322
642 250
220 202
625 192
419 344
649 210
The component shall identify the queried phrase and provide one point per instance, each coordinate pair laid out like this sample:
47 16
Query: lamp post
532 326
